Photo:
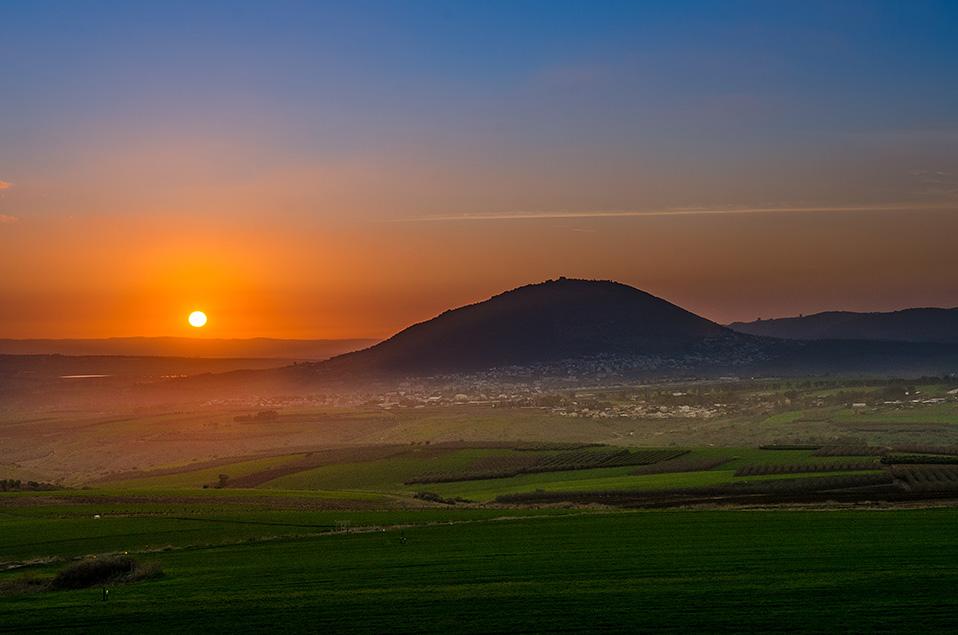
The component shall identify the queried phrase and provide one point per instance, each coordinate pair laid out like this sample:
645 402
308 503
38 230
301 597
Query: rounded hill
538 323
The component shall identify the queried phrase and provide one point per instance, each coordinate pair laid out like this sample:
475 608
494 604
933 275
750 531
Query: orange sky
117 275
301 170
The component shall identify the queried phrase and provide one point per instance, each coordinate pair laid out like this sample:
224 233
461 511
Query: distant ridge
538 323
254 348
908 325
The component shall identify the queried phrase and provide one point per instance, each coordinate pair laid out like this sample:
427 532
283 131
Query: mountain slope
538 323
908 325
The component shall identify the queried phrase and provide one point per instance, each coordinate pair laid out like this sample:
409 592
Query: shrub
802 468
432 497
681 464
789 446
26 583
850 450
15 485
927 449
925 459
106 570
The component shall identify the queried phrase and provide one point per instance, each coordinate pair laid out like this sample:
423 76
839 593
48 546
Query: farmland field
402 471
69 444
781 508
474 570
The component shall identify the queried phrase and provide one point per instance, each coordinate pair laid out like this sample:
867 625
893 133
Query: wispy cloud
938 183
730 211
6 219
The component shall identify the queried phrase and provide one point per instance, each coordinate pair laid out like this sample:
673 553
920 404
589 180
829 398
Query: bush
802 468
107 570
27 583
850 450
789 446
920 459
682 464
432 497
16 485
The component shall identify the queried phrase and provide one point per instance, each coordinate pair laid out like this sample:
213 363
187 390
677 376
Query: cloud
6 219
936 183
4 185
730 211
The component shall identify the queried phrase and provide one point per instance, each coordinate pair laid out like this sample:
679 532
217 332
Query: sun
197 319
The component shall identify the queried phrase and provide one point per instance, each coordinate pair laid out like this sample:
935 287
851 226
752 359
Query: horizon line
400 329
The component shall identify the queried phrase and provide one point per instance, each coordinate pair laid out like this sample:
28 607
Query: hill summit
538 323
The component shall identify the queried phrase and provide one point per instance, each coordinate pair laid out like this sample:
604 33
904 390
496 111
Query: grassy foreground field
458 570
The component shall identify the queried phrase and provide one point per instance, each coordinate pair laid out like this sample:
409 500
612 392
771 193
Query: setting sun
197 319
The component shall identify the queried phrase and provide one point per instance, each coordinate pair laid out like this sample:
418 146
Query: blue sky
683 84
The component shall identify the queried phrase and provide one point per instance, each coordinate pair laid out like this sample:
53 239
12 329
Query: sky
314 169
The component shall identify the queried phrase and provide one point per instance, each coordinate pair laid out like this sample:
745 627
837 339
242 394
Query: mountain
195 347
574 332
908 325
535 324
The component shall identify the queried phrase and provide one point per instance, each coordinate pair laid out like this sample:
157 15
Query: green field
209 475
388 476
359 519
80 447
466 571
